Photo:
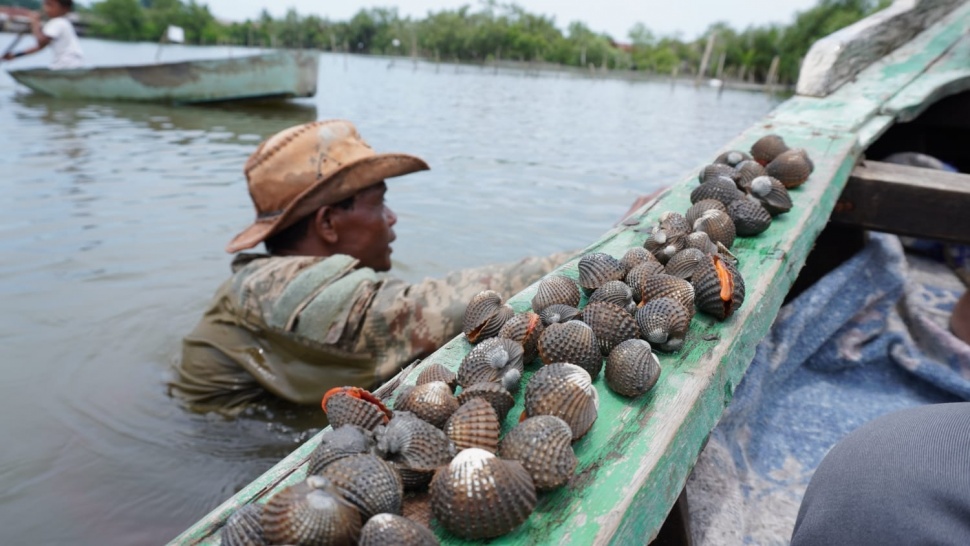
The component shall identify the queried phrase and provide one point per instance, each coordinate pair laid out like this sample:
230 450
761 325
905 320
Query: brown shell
414 447
683 263
243 528
543 445
674 223
555 289
492 360
718 226
772 195
597 268
668 286
750 218
697 209
310 512
437 372
732 157
493 393
719 287
767 148
663 244
639 274
479 313
337 443
559 313
792 168
636 256
565 391
632 369
475 424
747 171
611 325
480 496
701 241
721 189
524 328
617 293
369 483
574 342
343 409
714 170
432 402
664 323
394 530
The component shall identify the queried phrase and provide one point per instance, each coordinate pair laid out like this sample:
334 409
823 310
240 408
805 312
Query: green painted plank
947 76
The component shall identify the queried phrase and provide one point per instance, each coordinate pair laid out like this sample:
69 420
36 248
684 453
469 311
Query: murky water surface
115 217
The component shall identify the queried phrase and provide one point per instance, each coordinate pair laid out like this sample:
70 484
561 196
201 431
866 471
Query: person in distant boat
58 33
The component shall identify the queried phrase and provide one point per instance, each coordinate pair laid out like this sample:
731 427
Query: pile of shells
444 435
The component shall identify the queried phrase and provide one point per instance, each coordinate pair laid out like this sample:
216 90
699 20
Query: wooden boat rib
637 457
276 75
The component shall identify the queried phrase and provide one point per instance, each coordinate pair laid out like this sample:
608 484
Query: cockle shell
555 289
697 209
310 512
632 369
394 530
750 218
481 496
745 172
485 316
543 445
498 396
597 268
475 424
243 528
792 168
683 263
772 195
368 482
636 256
639 274
337 443
354 406
732 157
574 342
722 189
497 360
559 313
715 170
611 325
767 148
701 241
525 328
718 226
663 244
718 286
664 323
565 391
437 372
432 402
414 447
674 223
668 286
617 293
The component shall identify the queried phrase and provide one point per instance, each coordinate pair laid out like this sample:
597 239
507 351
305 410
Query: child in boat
57 32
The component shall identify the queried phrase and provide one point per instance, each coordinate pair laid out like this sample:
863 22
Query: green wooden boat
856 87
276 75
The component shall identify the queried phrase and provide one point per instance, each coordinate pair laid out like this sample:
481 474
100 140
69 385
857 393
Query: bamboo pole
706 58
720 65
772 75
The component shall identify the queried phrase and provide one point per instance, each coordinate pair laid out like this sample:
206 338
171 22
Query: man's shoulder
54 28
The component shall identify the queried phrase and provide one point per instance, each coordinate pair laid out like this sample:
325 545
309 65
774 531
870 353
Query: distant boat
276 75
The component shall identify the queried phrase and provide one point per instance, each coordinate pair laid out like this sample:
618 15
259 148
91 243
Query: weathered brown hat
298 170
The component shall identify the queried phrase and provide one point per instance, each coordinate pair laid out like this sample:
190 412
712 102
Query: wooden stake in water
706 58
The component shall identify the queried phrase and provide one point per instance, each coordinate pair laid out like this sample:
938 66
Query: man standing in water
313 314
57 32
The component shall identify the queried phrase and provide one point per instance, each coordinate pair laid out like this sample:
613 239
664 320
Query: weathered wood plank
907 201
837 58
949 75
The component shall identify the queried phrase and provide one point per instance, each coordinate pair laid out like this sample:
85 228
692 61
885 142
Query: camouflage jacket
297 326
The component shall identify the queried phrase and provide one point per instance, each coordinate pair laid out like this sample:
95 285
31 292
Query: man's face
366 229
52 8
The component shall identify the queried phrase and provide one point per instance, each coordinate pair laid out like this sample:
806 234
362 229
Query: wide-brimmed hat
298 170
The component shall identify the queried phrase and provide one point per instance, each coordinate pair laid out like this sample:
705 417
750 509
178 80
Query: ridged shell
543 445
243 528
432 402
475 424
732 157
767 148
663 244
610 324
498 396
310 512
632 369
745 172
597 268
481 496
697 209
559 313
718 286
701 241
718 226
683 263
668 286
792 168
750 218
720 189
714 170
674 223
369 483
573 342
524 328
337 443
478 313
772 195
493 325
636 256
555 289
414 447
617 293
394 530
566 391
345 409
664 323
492 360
437 372
639 274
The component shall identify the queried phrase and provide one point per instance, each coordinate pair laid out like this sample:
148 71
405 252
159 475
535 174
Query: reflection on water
116 216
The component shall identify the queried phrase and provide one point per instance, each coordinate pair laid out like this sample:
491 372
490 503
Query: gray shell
636 256
597 268
543 445
792 168
475 424
639 275
573 342
632 369
394 530
337 443
715 170
674 223
683 263
722 189
772 195
555 289
310 512
718 226
559 313
433 402
663 244
479 321
437 372
701 241
767 148
668 286
732 157
697 209
617 293
745 172
414 447
750 218
243 528
369 483
498 396
342 409
610 324
708 287
524 328
566 391
490 361
664 323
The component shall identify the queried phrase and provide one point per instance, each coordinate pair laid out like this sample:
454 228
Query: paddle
13 44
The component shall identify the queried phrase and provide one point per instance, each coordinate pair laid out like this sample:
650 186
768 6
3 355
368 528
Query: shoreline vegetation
495 35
